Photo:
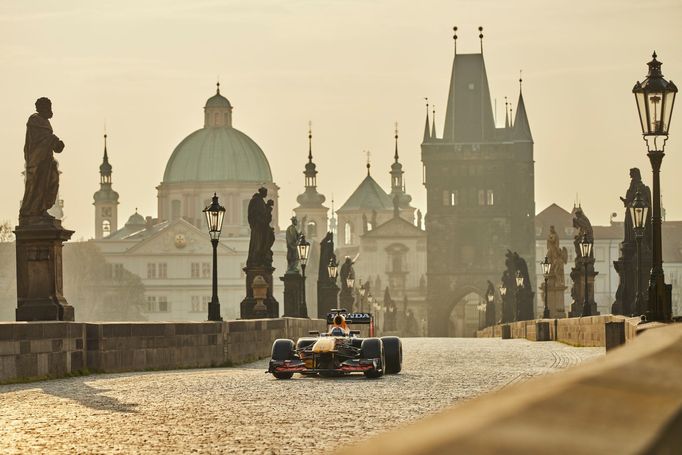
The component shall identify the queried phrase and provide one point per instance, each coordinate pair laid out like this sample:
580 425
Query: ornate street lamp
215 213
490 309
519 288
503 294
638 212
546 270
585 252
333 269
519 279
303 252
655 100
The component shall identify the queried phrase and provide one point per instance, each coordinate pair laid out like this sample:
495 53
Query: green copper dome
214 154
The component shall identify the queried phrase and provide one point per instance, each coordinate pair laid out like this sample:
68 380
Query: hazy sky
351 67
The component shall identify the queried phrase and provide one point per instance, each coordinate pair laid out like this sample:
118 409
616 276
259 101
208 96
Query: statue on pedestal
292 237
42 173
584 267
39 236
558 256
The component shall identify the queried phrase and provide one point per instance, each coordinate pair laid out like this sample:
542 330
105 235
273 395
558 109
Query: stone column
578 290
555 298
40 294
246 307
293 296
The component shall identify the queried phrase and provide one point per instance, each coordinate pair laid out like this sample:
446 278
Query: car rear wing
353 318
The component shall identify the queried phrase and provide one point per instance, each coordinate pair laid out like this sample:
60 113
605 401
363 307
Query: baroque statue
42 173
292 237
262 235
557 255
584 227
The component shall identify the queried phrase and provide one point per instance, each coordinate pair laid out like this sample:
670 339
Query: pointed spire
433 123
106 156
427 133
310 141
511 125
310 167
506 113
454 37
521 124
217 88
105 168
368 161
395 156
480 37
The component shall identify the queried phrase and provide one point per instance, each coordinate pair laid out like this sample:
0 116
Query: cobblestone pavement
243 410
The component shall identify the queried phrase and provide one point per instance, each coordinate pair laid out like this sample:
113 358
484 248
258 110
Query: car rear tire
305 342
372 348
283 349
393 352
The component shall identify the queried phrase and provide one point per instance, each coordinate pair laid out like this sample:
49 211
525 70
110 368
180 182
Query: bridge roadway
243 410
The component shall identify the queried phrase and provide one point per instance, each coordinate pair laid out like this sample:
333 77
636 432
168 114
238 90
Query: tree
6 234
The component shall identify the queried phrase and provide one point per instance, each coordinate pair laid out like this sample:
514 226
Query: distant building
480 198
607 241
172 252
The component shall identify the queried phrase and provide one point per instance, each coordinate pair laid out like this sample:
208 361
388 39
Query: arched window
216 118
347 234
106 228
311 230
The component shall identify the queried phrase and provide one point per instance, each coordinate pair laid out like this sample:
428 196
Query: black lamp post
503 294
655 100
333 269
350 281
303 252
585 252
519 288
490 309
546 270
638 212
215 213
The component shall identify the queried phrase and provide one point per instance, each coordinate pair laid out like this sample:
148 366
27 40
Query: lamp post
503 294
490 309
333 269
638 212
350 281
655 100
215 213
363 291
519 288
585 252
546 270
303 252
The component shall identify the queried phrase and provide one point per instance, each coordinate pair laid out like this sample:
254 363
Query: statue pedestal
578 291
327 297
346 299
40 294
555 299
248 307
293 296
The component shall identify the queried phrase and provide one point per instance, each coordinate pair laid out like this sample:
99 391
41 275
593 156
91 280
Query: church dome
217 154
136 220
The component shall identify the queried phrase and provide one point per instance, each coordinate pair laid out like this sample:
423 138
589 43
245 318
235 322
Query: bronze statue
292 236
346 272
636 185
42 174
326 254
259 216
558 256
584 227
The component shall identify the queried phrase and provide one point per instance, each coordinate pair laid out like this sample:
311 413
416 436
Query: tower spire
433 122
310 167
427 129
506 113
480 37
310 141
217 87
454 37
395 156
368 161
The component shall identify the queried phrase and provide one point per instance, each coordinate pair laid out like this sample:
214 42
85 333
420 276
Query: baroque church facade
479 181
172 252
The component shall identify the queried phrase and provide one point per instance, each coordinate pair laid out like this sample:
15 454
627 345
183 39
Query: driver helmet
337 332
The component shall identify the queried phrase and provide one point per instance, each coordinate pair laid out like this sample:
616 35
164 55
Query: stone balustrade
39 350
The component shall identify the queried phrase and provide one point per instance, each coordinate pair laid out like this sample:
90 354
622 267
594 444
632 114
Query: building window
151 304
489 197
164 307
106 228
481 197
451 198
195 270
106 211
200 303
205 269
118 271
163 270
347 234
151 271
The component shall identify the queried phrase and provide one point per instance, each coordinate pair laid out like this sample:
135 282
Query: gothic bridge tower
480 195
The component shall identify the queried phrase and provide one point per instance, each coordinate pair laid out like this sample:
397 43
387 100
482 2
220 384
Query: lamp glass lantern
546 267
332 269
215 213
585 247
519 279
491 297
655 100
303 250
638 211
350 282
503 290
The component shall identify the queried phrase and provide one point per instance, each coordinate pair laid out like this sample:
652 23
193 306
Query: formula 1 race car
338 352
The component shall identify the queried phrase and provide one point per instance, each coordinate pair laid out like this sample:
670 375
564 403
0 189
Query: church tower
106 200
311 214
480 196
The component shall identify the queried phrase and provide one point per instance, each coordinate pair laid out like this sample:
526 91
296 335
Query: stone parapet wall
40 349
32 350
629 402
583 331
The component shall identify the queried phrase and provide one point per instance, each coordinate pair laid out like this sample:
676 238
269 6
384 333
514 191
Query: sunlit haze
353 68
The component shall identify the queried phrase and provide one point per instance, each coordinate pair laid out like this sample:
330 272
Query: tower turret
105 200
310 212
